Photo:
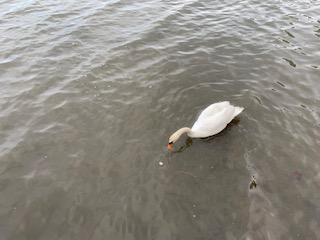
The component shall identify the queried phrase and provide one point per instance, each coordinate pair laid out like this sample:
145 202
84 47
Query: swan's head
170 145
172 139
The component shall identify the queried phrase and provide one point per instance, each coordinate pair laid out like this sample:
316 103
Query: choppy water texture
91 91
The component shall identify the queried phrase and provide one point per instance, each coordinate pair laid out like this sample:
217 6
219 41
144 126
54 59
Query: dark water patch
290 62
259 101
289 34
281 84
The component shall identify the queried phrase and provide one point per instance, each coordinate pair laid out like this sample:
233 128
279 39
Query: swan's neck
181 131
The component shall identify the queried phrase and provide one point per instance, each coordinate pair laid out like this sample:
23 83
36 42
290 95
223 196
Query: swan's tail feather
238 110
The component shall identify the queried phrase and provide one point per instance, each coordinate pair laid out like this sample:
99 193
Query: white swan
211 121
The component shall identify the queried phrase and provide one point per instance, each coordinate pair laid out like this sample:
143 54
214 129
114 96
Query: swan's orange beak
169 146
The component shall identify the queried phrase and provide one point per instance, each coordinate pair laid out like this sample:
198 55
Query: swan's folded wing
209 126
213 109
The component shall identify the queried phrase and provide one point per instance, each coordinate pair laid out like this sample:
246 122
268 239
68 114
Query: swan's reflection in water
186 145
163 160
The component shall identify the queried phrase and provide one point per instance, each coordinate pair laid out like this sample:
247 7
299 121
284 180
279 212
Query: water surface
92 90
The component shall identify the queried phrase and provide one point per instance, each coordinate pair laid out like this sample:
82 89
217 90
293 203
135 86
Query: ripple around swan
91 91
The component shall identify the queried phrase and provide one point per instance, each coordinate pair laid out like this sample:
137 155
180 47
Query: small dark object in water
253 184
297 175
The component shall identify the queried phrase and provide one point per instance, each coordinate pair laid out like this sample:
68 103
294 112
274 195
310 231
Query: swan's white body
211 121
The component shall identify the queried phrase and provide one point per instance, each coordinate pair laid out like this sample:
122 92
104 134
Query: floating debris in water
253 184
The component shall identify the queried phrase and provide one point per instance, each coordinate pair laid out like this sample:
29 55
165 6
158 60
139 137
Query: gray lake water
91 91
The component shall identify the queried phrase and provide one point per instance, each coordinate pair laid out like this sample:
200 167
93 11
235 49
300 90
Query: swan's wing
213 109
205 127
